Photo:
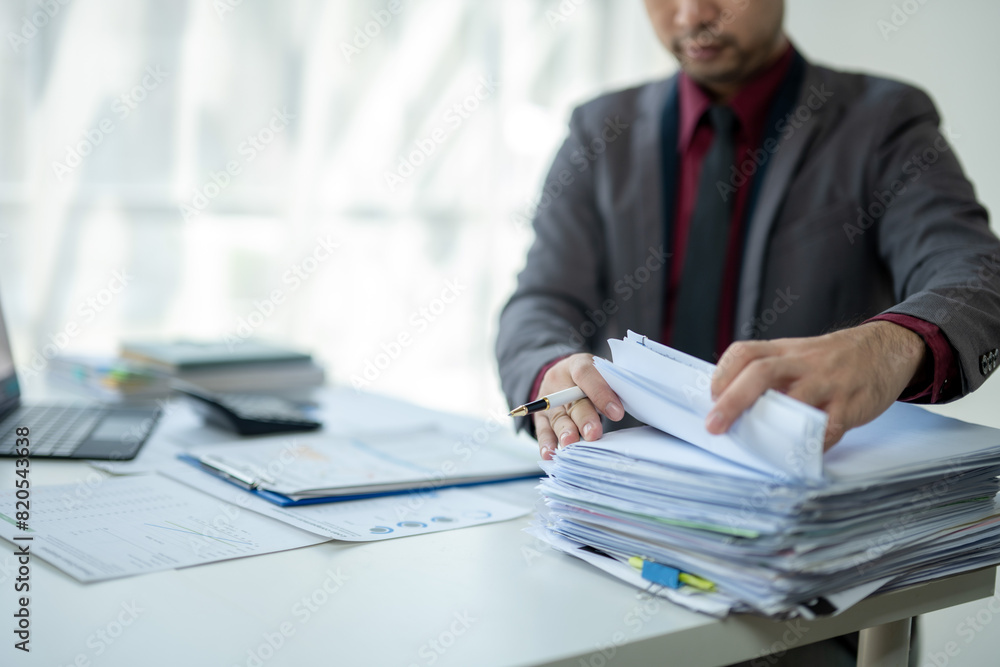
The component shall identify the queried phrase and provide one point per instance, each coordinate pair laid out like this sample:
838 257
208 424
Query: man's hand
854 375
565 424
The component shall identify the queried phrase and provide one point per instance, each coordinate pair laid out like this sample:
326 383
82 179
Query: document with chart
139 524
135 525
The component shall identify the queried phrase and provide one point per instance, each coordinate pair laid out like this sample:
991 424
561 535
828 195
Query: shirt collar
750 104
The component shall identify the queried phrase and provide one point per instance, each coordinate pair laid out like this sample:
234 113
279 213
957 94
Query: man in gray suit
809 230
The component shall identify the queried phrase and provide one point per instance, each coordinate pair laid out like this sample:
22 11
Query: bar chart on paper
134 525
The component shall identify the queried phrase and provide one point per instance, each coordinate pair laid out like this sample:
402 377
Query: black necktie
696 313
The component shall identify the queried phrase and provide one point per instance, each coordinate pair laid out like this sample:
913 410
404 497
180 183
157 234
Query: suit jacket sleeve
934 236
563 275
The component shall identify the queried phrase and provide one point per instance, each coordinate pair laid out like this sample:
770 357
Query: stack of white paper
761 513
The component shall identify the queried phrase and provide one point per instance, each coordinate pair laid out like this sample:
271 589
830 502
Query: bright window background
117 113
206 89
224 77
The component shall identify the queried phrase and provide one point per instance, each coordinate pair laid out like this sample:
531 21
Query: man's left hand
854 375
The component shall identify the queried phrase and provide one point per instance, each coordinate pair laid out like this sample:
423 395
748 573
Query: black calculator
248 414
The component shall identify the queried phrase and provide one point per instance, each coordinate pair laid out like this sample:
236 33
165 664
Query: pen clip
227 472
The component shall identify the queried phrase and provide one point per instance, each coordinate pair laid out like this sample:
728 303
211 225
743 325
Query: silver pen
225 471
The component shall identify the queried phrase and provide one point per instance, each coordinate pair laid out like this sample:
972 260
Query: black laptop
67 431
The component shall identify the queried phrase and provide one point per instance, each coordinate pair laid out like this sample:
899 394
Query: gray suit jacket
864 209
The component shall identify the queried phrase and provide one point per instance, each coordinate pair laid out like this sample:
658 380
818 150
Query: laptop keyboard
56 430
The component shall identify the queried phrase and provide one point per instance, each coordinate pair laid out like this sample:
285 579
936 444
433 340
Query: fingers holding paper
854 375
581 419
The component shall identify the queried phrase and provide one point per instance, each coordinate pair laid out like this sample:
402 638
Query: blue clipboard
284 501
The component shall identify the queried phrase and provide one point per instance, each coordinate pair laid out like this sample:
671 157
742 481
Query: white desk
483 596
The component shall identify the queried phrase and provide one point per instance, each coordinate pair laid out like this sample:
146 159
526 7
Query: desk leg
885 645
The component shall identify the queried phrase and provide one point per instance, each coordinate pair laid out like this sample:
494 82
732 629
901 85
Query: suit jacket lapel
647 165
782 167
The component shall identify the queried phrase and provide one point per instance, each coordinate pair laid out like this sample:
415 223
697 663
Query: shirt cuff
938 381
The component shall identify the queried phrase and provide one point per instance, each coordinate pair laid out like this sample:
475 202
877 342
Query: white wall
949 48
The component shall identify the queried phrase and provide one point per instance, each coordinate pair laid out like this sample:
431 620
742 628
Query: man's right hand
564 425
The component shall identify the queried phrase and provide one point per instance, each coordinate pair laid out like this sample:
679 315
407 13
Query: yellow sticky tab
636 562
697 582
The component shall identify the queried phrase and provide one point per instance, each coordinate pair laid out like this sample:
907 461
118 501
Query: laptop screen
10 392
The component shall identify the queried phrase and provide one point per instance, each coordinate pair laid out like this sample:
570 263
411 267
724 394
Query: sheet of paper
650 444
906 439
375 518
671 391
140 524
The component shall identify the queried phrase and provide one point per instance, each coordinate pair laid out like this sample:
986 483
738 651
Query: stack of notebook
220 366
759 519
109 378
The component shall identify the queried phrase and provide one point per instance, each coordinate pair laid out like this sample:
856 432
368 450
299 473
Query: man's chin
712 73
711 65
